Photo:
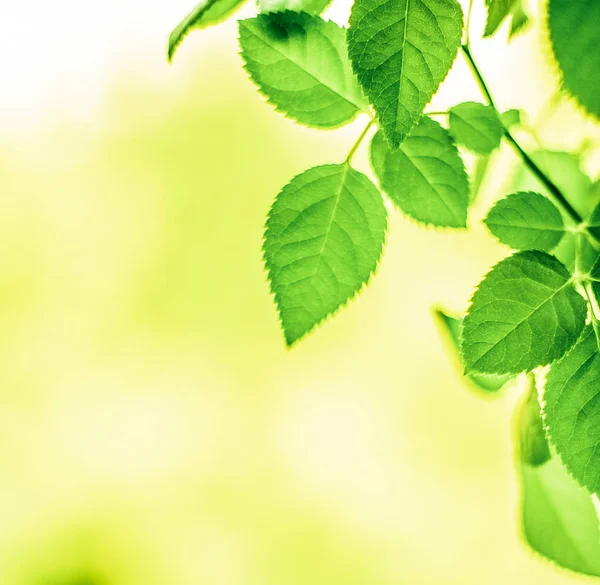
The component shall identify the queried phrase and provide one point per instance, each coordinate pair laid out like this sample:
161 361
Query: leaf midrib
338 195
526 227
398 121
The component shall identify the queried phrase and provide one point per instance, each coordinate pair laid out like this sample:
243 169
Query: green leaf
533 447
299 63
207 13
572 410
525 313
574 32
498 10
425 177
526 221
401 51
511 117
519 19
476 126
314 7
559 519
558 516
451 326
323 240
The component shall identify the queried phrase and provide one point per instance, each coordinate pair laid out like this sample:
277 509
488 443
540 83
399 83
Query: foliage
401 51
326 229
558 517
425 177
526 221
476 126
323 241
574 32
526 313
300 64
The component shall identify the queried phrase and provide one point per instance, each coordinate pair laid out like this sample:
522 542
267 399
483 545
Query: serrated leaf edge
276 106
351 298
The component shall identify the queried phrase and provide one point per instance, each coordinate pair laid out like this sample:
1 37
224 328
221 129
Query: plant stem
358 142
529 162
436 113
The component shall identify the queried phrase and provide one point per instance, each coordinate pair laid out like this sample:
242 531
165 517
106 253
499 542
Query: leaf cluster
325 232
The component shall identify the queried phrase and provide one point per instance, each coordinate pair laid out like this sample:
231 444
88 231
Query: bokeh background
153 427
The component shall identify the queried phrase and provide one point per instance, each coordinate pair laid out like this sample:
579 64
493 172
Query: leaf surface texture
401 51
323 240
526 221
425 177
524 314
299 62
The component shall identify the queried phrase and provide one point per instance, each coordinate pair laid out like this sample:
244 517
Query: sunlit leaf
401 51
299 62
525 313
497 11
526 221
451 326
533 448
323 240
476 126
425 177
574 32
572 410
511 117
207 13
558 516
519 19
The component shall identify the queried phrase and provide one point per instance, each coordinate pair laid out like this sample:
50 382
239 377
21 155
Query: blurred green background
153 427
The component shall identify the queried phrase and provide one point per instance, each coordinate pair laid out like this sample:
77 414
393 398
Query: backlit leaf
497 10
299 62
425 177
323 240
207 13
558 517
511 117
401 51
525 313
476 126
574 32
533 448
519 19
489 383
526 221
572 410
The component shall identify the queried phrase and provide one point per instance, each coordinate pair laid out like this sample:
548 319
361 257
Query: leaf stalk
359 141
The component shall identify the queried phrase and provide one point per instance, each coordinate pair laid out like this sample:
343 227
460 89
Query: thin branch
529 162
